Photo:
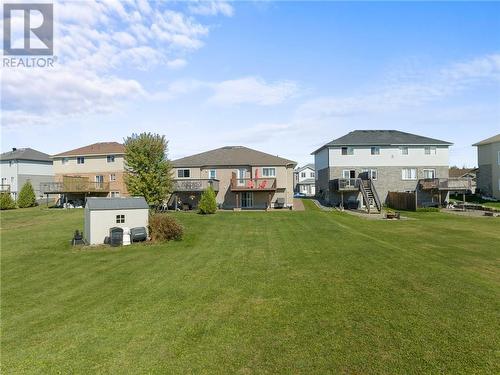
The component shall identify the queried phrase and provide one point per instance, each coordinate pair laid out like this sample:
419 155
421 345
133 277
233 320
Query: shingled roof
231 156
25 154
101 148
383 138
487 141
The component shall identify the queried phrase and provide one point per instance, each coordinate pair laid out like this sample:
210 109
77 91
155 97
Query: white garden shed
101 214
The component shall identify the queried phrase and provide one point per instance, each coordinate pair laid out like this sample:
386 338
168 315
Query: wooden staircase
370 195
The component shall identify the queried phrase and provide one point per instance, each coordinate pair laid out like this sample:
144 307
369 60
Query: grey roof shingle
307 181
382 138
129 203
310 165
231 156
100 148
25 154
487 141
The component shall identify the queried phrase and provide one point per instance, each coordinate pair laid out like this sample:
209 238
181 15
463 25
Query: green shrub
163 227
6 201
208 203
27 197
428 209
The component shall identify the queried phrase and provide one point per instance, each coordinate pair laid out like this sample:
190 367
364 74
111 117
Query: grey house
488 159
361 167
25 164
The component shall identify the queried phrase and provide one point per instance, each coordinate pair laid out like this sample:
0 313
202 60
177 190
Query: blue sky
282 77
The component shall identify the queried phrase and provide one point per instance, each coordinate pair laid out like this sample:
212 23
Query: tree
27 197
208 203
147 169
6 201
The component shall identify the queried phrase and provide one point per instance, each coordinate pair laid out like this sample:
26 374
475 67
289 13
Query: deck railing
459 183
4 188
194 185
345 184
252 184
74 187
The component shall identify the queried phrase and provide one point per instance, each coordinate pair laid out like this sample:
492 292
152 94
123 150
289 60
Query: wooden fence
401 201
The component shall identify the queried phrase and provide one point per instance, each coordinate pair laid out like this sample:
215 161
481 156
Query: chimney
14 149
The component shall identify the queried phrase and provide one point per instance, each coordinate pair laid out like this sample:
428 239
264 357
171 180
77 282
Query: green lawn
475 199
308 292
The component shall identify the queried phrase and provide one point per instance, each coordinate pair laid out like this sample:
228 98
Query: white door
242 172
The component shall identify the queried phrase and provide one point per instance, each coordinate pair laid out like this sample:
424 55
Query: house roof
300 169
231 155
129 203
459 172
25 154
487 141
382 138
101 148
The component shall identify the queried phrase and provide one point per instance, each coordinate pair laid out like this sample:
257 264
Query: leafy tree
6 201
147 169
208 203
27 197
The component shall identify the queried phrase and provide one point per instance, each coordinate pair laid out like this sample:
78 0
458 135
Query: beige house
242 178
94 170
488 159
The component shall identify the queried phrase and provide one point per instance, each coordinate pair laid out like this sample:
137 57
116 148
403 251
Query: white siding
389 156
102 220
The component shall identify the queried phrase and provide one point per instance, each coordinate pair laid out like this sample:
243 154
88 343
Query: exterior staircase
370 195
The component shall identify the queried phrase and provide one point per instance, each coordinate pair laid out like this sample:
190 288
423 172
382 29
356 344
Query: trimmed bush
6 202
27 197
163 227
208 203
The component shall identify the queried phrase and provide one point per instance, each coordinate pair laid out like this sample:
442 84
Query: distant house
488 159
25 164
469 173
243 178
95 170
102 214
304 180
364 165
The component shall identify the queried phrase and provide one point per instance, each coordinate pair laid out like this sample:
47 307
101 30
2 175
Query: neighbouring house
241 177
95 170
469 173
488 159
102 214
305 181
25 164
361 167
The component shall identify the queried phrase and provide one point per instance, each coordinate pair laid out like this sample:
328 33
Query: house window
64 161
313 174
183 173
99 179
404 150
409 173
429 173
269 172
110 158
373 174
430 150
80 160
115 194
349 173
212 174
375 150
120 219
347 151
10 163
303 174
112 177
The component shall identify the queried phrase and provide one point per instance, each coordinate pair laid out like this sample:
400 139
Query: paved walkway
298 205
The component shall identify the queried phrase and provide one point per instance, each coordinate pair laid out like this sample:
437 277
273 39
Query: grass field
308 292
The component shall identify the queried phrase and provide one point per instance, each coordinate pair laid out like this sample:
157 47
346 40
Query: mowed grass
308 292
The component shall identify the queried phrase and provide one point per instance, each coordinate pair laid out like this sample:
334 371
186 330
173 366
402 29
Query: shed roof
382 138
229 156
25 154
131 203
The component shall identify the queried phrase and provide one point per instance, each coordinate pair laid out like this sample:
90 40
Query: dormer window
347 151
375 150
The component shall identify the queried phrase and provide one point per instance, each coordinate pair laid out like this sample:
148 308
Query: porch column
463 199
269 201
237 200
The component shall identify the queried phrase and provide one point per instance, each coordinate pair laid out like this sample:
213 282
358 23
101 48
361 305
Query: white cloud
212 8
252 90
99 45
